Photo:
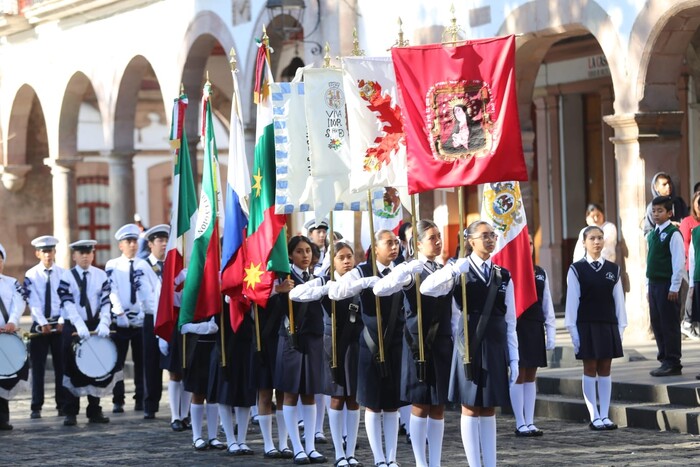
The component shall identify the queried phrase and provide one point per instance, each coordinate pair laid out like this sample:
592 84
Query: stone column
631 189
65 214
549 187
121 192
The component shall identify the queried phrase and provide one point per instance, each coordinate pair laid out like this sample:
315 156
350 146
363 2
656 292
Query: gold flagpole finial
232 60
356 50
182 88
400 42
327 56
451 33
265 38
208 83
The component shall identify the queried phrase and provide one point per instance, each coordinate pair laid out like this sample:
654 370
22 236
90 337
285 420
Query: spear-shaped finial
182 88
356 50
208 83
327 56
265 37
451 33
400 42
232 60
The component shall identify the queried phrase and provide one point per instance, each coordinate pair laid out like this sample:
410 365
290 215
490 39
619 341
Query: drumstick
93 333
31 335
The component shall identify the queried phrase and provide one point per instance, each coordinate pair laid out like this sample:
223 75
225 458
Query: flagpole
184 247
334 333
419 307
377 305
453 32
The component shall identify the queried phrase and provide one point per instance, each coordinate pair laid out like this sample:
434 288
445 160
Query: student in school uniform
596 320
493 344
300 371
12 306
41 288
533 342
341 385
378 383
89 310
427 392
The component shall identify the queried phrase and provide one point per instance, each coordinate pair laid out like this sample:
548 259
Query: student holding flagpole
342 386
492 337
427 392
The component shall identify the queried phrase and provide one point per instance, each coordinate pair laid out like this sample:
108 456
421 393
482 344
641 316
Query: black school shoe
99 418
5 425
70 420
666 370
177 425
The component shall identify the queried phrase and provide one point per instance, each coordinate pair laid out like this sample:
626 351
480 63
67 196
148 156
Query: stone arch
78 90
662 33
17 130
127 100
554 20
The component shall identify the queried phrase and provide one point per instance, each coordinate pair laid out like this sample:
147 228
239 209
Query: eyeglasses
486 236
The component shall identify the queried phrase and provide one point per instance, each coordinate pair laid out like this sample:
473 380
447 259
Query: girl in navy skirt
533 353
300 370
498 348
428 397
342 386
378 385
596 319
229 385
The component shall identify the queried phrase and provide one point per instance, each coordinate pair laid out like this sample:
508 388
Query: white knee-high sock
604 394
391 434
516 401
265 422
529 399
291 420
436 430
345 416
282 432
373 425
405 418
335 420
227 422
419 434
309 412
487 436
185 399
352 425
470 440
242 419
213 419
197 411
589 396
174 394
320 412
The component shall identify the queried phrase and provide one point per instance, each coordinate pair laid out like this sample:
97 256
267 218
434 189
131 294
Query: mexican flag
182 223
201 297
266 247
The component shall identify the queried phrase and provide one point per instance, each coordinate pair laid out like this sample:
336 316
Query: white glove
461 265
103 329
368 282
575 339
411 267
122 321
514 371
551 338
190 328
163 346
212 327
81 329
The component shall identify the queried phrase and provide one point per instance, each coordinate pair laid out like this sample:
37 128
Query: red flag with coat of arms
460 113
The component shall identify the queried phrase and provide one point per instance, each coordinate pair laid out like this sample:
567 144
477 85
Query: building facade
607 97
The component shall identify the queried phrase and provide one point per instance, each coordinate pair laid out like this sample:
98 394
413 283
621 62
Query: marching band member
87 309
41 289
201 337
428 394
300 371
126 276
157 238
378 383
492 338
230 385
11 308
342 388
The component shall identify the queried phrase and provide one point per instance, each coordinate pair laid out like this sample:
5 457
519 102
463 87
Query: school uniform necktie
305 276
432 265
486 270
386 271
47 294
131 281
84 302
160 268
595 265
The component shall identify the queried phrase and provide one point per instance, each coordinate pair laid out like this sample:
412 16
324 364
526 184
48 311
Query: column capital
14 176
116 157
62 164
625 126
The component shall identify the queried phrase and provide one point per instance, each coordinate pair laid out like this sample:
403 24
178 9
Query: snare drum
96 357
13 354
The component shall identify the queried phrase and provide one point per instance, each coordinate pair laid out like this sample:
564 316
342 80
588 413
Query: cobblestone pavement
130 440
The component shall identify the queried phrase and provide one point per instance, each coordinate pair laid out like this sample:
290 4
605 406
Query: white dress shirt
35 288
120 295
11 296
97 290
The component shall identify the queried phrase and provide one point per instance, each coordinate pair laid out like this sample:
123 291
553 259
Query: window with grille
93 215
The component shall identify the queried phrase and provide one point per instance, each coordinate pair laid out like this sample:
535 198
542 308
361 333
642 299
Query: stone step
663 417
